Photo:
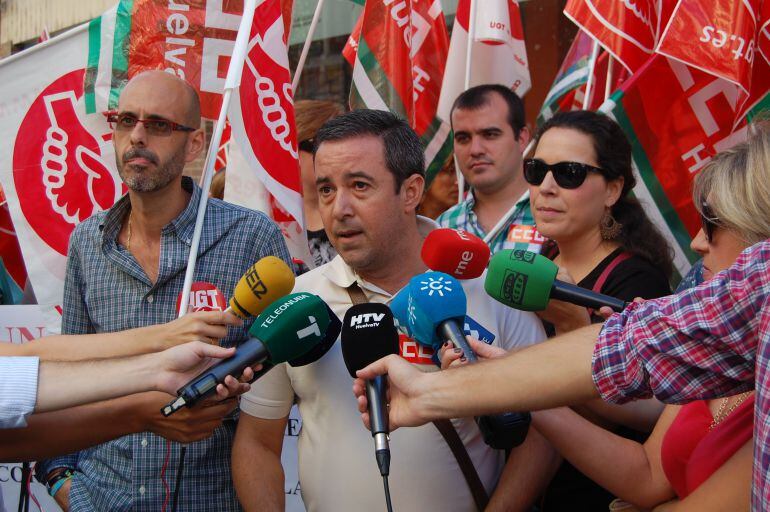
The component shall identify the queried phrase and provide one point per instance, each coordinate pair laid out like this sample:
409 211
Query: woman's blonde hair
736 186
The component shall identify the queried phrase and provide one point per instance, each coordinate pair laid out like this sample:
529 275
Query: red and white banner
57 163
716 36
262 119
499 55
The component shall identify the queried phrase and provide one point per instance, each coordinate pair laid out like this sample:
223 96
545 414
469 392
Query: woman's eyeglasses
709 222
566 174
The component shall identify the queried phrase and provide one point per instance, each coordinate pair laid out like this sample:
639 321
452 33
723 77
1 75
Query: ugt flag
262 120
399 65
498 56
57 163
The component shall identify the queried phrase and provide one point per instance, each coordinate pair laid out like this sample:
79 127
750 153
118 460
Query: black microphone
369 334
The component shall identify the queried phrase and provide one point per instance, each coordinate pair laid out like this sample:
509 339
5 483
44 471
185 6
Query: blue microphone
435 311
398 305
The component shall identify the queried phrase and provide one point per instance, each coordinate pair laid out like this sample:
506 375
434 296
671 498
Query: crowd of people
690 361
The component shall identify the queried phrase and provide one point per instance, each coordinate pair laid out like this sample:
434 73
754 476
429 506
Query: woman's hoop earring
609 227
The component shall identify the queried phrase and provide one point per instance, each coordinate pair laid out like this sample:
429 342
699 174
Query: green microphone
287 329
527 281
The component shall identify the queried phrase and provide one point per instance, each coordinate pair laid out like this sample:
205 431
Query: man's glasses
154 126
566 174
708 221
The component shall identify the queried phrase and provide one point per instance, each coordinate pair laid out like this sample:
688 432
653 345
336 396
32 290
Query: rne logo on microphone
465 258
514 284
463 235
366 320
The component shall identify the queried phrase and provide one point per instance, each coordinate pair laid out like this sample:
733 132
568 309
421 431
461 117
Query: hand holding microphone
369 334
289 328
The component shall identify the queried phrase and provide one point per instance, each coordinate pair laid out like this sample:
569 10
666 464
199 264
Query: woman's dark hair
613 155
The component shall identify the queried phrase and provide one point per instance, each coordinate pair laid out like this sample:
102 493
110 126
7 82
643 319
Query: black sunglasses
708 221
566 174
306 145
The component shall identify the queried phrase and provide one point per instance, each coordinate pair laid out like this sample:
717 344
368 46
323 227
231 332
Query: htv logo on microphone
366 320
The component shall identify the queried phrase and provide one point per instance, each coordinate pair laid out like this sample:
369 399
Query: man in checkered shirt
489 138
126 269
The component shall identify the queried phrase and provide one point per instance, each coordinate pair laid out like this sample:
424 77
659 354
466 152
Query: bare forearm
60 432
81 347
259 485
519 381
529 469
62 385
619 465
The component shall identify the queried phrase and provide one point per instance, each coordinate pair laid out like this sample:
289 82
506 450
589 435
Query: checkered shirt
106 290
706 342
462 216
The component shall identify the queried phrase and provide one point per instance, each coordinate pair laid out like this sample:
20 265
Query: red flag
627 29
717 36
676 118
351 45
262 120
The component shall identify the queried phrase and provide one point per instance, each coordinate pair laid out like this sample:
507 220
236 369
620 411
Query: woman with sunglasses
580 181
580 178
699 456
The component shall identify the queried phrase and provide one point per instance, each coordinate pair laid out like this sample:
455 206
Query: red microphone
455 252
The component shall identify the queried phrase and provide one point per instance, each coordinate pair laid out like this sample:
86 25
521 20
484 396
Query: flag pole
306 47
233 81
608 80
466 86
590 82
500 223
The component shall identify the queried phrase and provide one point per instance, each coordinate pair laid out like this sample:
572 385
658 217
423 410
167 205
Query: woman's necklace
722 413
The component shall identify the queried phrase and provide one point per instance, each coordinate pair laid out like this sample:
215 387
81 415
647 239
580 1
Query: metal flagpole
306 48
233 81
608 80
466 86
590 83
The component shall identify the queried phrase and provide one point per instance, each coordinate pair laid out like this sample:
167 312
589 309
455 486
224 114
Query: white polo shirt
337 468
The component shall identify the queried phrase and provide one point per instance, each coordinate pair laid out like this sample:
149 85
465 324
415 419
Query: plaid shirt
700 344
517 233
106 290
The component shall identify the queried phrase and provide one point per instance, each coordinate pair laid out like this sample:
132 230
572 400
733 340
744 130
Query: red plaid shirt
703 343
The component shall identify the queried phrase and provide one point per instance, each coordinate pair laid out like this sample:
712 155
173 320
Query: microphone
288 329
263 283
456 252
327 342
435 311
398 305
527 281
368 334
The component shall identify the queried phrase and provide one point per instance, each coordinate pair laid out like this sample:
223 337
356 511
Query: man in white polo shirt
369 176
